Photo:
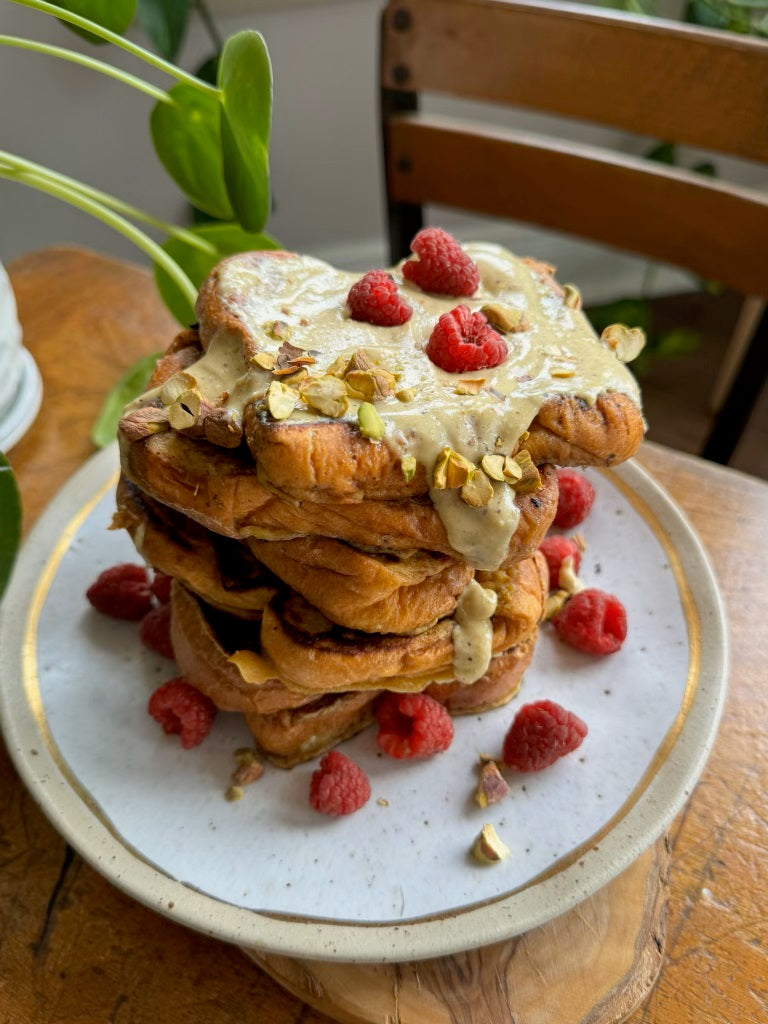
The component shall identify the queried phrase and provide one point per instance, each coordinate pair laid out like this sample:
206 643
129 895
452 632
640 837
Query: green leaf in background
165 22
116 15
245 80
196 264
663 153
133 383
187 138
717 14
10 521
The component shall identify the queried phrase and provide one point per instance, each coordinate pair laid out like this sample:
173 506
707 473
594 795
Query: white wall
325 145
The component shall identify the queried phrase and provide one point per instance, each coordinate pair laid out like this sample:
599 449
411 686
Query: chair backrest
658 79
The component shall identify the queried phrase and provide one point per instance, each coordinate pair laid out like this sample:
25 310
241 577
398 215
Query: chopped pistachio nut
185 411
245 774
488 848
562 371
405 394
337 367
626 342
507 319
141 423
176 386
287 353
245 755
478 490
530 480
554 602
281 400
235 793
370 385
571 296
279 330
493 466
512 471
360 360
451 470
408 466
370 423
492 786
264 360
326 395
470 386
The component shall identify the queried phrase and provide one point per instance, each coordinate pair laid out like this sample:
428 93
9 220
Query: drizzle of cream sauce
473 632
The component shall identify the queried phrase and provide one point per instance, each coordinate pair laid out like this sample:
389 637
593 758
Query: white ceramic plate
394 881
20 414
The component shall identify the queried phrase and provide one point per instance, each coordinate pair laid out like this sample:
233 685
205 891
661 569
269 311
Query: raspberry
121 592
574 500
374 299
556 549
339 786
155 631
541 733
462 341
442 266
592 621
412 725
180 708
161 587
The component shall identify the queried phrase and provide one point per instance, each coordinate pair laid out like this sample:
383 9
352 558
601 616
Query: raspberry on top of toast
338 409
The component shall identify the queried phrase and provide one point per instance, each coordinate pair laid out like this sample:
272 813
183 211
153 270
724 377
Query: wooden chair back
657 79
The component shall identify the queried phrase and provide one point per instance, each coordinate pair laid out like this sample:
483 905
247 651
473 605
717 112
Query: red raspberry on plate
182 709
443 266
374 299
592 621
155 631
556 549
463 341
575 498
541 733
122 592
161 587
412 725
339 786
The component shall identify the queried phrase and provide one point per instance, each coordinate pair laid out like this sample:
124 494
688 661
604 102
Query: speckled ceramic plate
394 881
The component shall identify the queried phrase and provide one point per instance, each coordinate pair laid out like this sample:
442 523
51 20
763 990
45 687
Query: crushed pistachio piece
567 579
370 423
246 774
245 755
488 848
370 385
359 360
493 466
281 400
141 423
491 786
235 793
278 330
626 342
408 465
264 360
470 386
562 371
512 471
451 470
478 490
571 296
405 394
382 802
326 395
530 479
176 386
507 319
185 411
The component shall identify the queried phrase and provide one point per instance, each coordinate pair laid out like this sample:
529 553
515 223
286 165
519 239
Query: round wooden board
592 965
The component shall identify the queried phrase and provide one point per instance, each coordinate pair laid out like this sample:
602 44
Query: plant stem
113 220
117 40
209 25
18 164
87 62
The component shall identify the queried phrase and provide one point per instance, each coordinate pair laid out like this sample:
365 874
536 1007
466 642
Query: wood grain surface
74 950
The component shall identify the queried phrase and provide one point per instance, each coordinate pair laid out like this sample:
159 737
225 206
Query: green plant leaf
196 264
677 341
132 384
165 22
663 153
10 521
116 15
245 80
186 135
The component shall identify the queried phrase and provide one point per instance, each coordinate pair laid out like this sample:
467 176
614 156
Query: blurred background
325 157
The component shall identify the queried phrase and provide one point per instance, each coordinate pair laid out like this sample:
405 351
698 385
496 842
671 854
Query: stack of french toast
341 515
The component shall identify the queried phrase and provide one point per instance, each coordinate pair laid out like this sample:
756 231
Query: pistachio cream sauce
556 353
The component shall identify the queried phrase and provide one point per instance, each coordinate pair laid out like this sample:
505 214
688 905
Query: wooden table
74 950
